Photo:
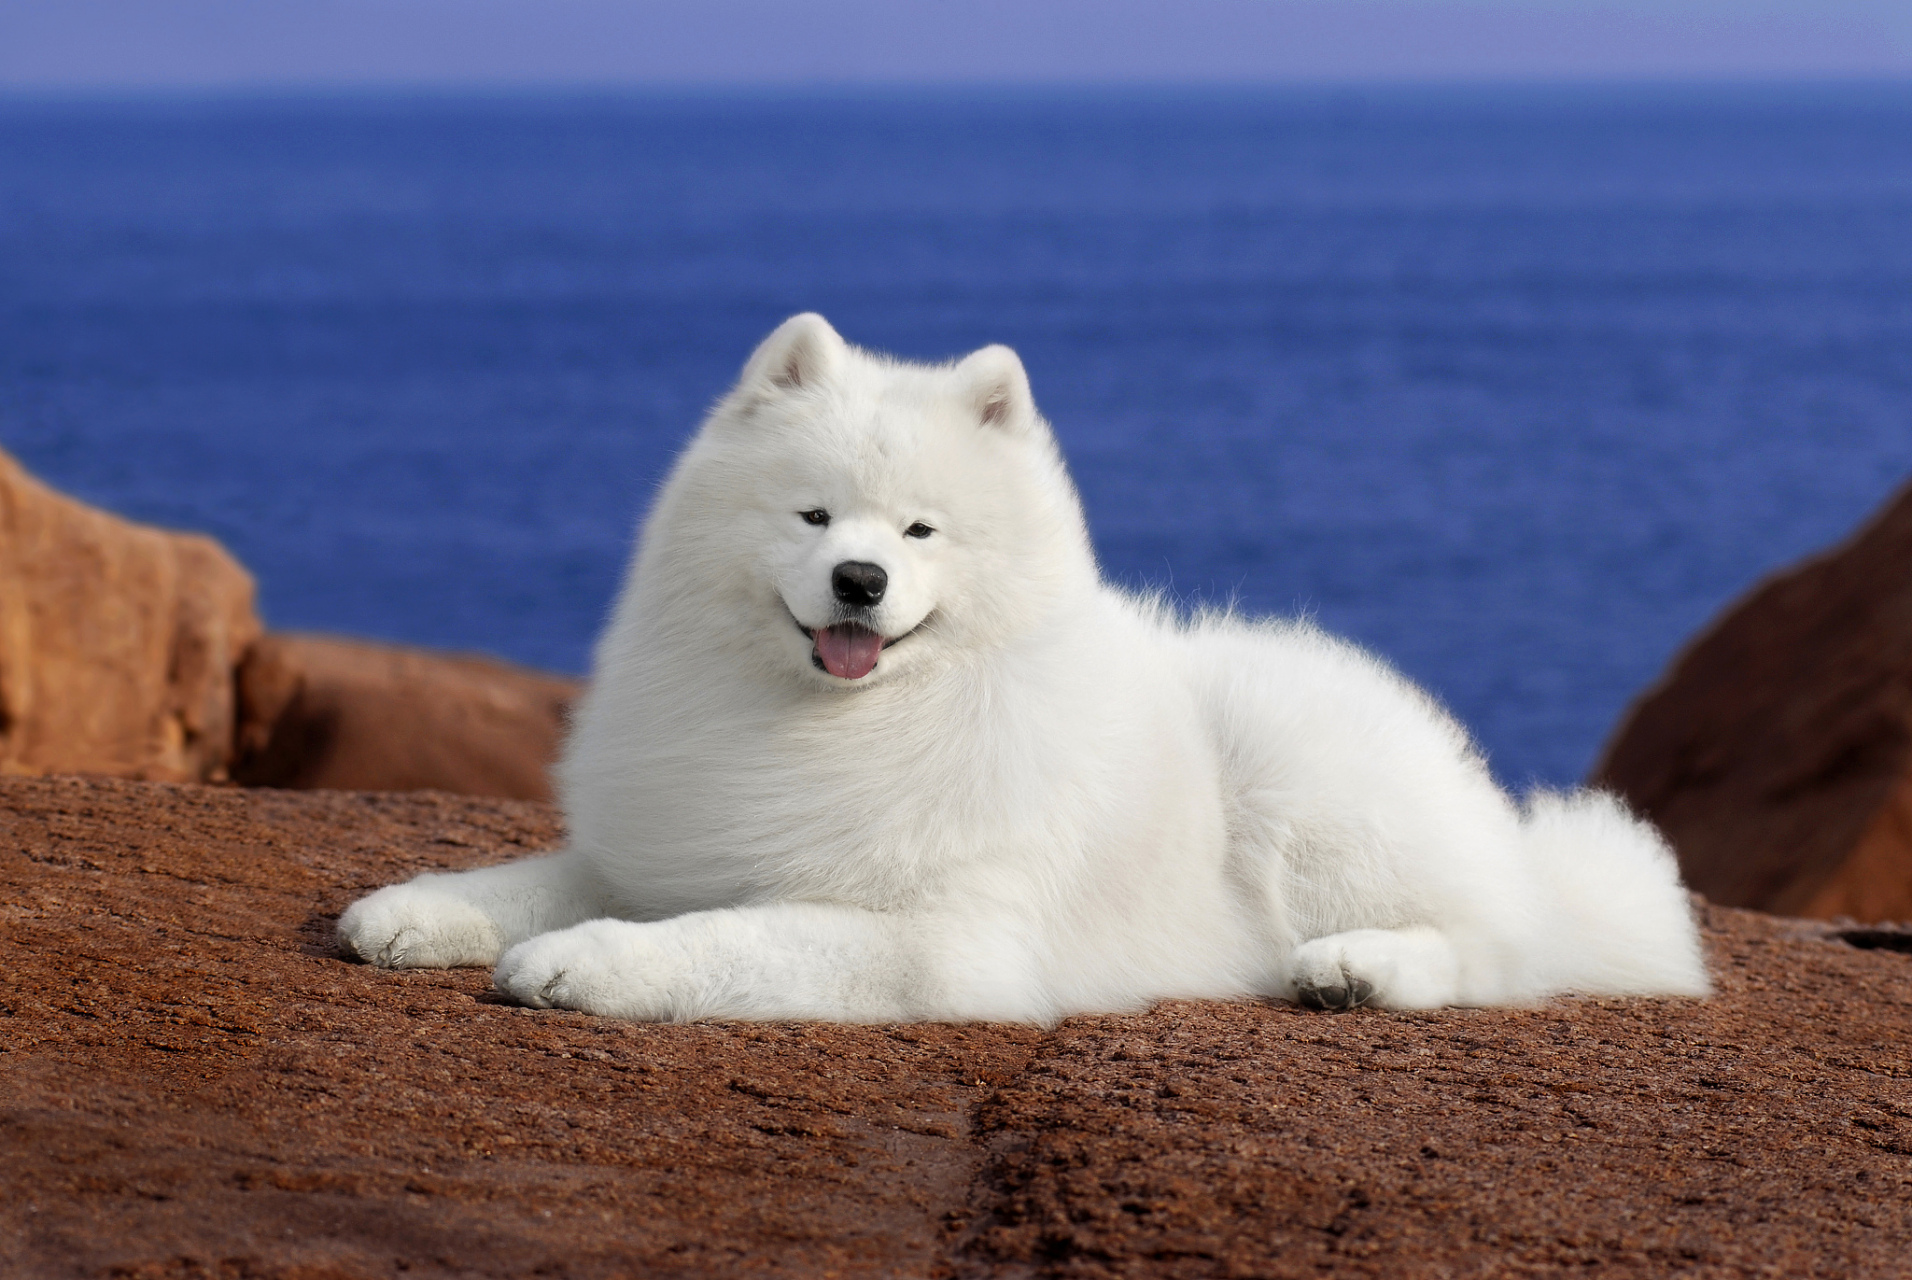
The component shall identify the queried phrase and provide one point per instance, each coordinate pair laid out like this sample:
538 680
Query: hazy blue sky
67 44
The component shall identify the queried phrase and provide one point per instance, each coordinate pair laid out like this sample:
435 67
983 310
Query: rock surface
1776 753
322 712
134 652
192 1084
117 641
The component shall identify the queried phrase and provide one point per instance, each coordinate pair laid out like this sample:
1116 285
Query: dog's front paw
608 967
418 926
1384 968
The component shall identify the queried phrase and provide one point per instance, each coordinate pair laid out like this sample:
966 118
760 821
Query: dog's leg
1415 968
785 960
469 917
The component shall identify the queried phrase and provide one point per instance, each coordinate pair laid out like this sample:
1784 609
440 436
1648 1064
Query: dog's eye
918 530
817 516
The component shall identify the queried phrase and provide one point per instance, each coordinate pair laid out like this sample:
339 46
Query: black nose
859 583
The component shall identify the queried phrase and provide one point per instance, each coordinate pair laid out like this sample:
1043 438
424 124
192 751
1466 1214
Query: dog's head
861 517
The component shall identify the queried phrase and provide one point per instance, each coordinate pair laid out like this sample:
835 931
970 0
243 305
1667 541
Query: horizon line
378 87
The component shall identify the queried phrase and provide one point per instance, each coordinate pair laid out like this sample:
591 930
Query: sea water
1516 386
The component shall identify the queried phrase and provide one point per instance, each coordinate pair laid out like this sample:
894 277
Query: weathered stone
117 641
317 711
194 1083
1776 753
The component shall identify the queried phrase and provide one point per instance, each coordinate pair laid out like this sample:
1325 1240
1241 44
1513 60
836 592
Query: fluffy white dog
869 739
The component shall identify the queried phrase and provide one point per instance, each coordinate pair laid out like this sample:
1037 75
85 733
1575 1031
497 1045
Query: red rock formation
132 651
117 641
1776 753
322 712
194 1084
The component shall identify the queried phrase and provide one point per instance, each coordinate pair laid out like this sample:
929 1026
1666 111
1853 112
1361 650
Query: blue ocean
1515 386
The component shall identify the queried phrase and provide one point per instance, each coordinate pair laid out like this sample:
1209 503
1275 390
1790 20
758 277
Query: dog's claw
1336 999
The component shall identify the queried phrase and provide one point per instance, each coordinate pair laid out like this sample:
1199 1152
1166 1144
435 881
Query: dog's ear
998 387
802 352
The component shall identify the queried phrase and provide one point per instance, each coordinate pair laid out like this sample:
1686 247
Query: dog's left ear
998 387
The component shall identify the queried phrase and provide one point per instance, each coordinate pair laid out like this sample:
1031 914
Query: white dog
869 739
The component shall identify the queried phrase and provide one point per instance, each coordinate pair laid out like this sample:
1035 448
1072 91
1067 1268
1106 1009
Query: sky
131 45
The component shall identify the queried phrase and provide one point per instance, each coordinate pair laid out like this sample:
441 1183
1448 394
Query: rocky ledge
1776 751
195 1085
136 652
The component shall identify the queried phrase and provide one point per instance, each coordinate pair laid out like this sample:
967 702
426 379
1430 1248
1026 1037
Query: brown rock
322 712
193 1084
117 641
1776 753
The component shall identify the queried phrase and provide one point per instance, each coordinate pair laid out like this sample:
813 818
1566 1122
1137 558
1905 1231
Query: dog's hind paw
1378 968
1350 993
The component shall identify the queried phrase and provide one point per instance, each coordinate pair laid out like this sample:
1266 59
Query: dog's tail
1622 922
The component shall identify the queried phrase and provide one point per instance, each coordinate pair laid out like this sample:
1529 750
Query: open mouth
849 650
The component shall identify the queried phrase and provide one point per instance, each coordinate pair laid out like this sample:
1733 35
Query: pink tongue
848 651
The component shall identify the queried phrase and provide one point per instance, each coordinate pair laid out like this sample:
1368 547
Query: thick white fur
1049 797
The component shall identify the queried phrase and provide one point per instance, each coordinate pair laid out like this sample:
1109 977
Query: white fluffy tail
1625 924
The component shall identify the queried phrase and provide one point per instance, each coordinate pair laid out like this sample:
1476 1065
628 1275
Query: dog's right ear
802 352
